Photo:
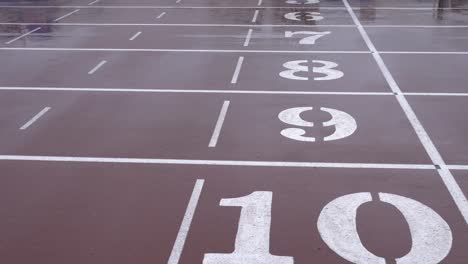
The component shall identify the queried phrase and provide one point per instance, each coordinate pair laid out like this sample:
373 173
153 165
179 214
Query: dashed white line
444 173
254 18
186 222
94 2
161 15
178 1
259 2
135 36
235 76
24 35
93 70
219 125
66 15
35 118
247 37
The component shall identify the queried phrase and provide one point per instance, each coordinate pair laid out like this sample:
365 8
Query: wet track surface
243 132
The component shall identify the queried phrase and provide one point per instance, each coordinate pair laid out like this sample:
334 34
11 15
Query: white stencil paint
431 235
252 244
310 40
308 16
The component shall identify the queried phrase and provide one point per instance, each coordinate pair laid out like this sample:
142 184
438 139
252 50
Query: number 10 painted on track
431 235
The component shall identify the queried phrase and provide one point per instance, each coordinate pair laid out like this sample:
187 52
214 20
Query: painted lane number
310 40
431 235
325 68
307 16
344 124
253 235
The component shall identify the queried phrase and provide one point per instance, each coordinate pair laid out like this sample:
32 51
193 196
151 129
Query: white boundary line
243 163
207 91
24 35
186 222
66 15
235 75
97 67
426 52
230 7
457 167
195 50
247 41
219 125
172 6
445 174
174 25
35 118
231 25
416 26
136 90
247 37
438 94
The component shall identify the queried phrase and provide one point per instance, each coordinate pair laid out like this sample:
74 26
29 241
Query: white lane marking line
438 94
66 15
195 50
135 36
233 25
250 51
417 26
173 7
426 52
457 167
454 189
94 2
178 1
220 162
254 18
259 3
93 70
186 222
161 15
136 90
219 125
35 118
24 35
176 25
247 37
235 76
230 7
